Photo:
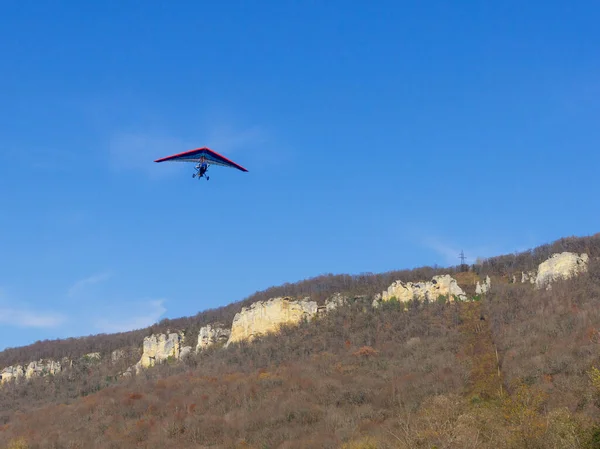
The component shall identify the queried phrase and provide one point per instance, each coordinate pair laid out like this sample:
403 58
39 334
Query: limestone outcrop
185 351
161 347
558 266
444 285
561 266
42 367
334 302
211 334
92 357
264 317
33 369
484 287
528 276
12 373
116 355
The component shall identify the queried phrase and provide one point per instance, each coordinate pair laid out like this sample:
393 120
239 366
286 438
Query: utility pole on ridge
462 260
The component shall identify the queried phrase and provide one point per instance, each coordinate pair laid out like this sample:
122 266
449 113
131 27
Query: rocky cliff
484 287
558 266
42 367
162 347
264 317
444 285
212 334
12 373
561 266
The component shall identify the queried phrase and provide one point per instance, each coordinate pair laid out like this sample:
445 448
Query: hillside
318 288
509 368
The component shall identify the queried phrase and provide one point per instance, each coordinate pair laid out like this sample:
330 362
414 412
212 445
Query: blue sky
378 135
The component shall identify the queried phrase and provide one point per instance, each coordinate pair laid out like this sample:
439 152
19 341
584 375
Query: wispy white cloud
152 311
138 150
82 283
450 252
15 313
25 318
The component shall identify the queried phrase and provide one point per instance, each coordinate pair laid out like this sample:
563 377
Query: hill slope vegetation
516 369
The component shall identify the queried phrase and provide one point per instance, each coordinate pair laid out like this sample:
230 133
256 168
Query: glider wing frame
210 156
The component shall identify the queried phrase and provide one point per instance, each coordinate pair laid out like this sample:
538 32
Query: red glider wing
212 157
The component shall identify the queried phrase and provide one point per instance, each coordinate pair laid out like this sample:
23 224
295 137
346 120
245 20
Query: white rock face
334 302
92 356
484 287
431 290
158 348
12 373
528 276
212 334
116 355
561 266
264 317
41 368
185 351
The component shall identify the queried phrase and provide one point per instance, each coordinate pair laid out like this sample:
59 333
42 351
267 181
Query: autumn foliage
518 369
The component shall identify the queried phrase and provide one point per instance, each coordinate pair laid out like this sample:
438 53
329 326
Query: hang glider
203 157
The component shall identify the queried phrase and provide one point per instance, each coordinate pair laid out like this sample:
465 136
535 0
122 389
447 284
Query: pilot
203 168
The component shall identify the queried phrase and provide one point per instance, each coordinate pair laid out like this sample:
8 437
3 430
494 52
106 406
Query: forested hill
317 288
517 367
